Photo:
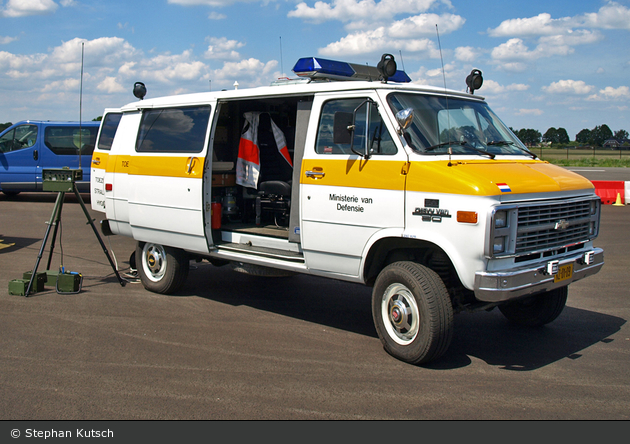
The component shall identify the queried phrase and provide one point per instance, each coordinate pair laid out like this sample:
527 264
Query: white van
420 192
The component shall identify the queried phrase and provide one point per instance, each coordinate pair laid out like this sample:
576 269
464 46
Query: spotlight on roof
139 90
387 66
474 80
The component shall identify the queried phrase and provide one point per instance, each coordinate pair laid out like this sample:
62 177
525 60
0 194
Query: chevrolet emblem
561 225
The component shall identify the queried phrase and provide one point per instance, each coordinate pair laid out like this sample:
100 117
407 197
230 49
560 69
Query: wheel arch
388 250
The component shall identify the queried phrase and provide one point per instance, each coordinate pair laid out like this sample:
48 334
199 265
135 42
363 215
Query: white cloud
611 16
23 8
542 24
568 87
110 85
7 40
353 10
223 49
377 41
467 53
610 93
247 72
217 3
408 35
513 49
529 112
216 16
553 37
493 87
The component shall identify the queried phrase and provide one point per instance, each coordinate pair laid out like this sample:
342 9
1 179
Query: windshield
462 126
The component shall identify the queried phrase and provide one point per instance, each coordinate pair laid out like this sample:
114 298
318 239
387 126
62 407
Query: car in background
30 146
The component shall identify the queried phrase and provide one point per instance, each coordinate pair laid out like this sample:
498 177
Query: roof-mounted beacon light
474 80
317 68
139 90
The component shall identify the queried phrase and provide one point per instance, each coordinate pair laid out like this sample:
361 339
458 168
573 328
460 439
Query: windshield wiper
439 145
500 143
506 142
462 143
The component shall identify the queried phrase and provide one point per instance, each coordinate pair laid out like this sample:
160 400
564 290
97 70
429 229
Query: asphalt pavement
235 347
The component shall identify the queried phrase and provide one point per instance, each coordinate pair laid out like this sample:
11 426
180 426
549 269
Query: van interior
267 208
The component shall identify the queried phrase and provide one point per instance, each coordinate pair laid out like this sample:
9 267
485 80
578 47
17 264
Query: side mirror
404 118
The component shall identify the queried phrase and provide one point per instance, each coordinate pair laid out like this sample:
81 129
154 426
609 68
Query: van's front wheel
412 311
161 269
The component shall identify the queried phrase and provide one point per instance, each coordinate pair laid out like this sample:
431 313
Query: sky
559 63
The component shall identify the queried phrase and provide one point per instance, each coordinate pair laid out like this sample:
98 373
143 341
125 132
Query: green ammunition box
17 287
38 282
69 282
51 277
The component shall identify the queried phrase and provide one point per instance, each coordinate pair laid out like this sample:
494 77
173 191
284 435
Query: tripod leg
54 237
55 215
89 218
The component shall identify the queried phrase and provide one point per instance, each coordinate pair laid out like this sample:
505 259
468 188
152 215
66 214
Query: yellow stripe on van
99 160
355 173
163 166
478 178
482 178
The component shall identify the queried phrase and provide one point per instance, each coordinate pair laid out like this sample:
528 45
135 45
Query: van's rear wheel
161 269
538 310
412 312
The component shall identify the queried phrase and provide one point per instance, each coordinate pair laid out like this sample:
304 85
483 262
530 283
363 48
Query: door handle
191 163
35 155
315 174
96 161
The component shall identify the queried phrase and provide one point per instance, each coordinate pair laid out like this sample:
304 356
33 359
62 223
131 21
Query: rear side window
109 125
181 130
66 140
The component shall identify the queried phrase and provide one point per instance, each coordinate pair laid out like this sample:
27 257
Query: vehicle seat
274 187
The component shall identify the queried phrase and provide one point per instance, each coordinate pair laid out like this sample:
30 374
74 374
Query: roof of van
291 88
59 122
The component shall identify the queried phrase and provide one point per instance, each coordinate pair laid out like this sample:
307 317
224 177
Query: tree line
594 137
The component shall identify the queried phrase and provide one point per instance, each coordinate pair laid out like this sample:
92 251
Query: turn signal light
467 217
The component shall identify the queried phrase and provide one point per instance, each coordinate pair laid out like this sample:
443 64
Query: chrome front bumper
505 285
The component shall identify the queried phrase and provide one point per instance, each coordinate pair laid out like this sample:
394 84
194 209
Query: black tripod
55 219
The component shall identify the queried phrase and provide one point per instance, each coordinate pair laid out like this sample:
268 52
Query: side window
173 130
109 125
24 136
337 115
66 140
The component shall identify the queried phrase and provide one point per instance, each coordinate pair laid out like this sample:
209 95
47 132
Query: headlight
500 219
499 245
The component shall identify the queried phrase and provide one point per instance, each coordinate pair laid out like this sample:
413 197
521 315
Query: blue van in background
28 147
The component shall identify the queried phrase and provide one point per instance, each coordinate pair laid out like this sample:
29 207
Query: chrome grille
548 226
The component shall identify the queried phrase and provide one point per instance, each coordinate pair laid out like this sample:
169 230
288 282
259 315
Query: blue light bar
323 69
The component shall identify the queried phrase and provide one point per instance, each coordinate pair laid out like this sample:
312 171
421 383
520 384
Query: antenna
401 60
281 64
448 113
81 106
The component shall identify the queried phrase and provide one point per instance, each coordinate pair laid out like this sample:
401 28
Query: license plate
565 272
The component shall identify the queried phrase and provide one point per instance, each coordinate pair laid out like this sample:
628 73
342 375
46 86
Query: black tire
10 193
161 269
537 310
412 312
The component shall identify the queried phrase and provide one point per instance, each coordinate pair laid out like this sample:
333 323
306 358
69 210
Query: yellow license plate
565 272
